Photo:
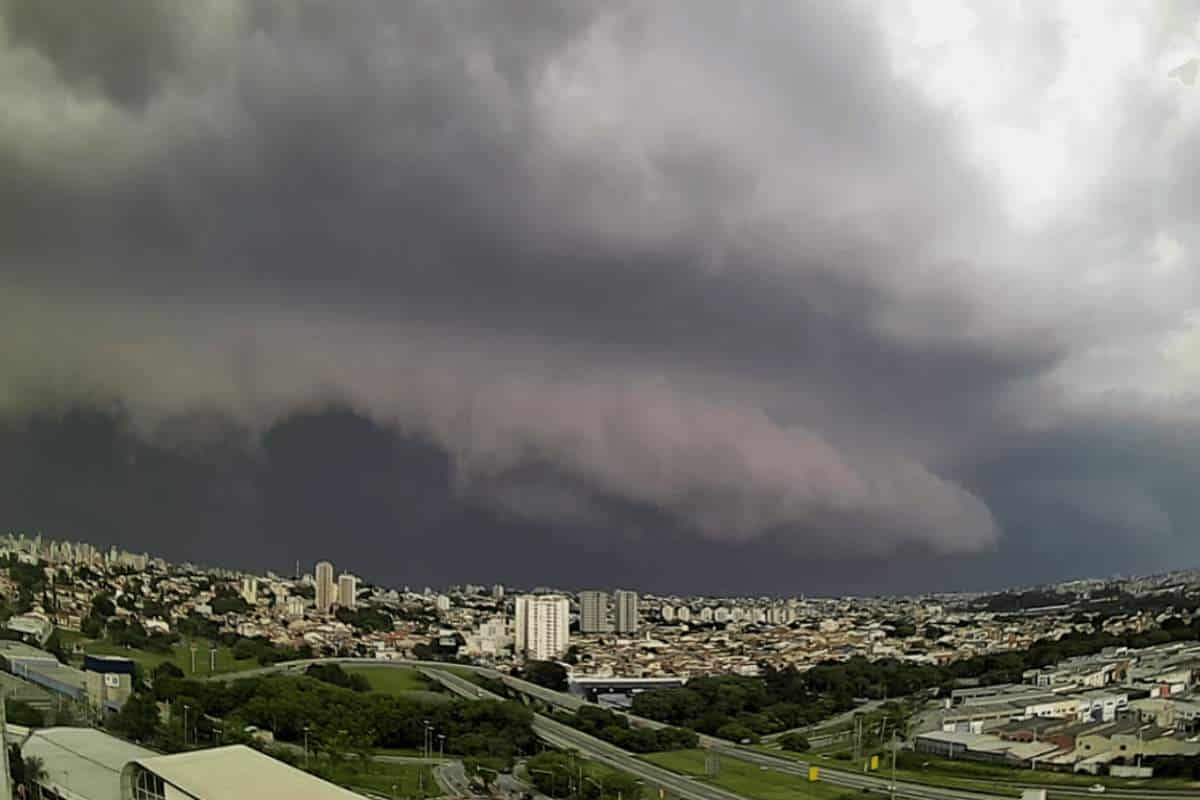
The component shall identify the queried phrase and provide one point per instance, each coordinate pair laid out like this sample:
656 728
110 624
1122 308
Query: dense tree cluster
367 620
795 742
615 729
338 718
549 674
334 674
557 775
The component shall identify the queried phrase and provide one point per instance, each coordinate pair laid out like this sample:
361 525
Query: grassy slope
977 776
748 780
410 780
392 680
180 654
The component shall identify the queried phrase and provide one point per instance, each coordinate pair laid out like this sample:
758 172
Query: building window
148 786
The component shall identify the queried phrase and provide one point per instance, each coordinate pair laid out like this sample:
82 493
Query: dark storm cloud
719 266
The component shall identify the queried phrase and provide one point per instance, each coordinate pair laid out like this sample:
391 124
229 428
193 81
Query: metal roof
84 758
237 771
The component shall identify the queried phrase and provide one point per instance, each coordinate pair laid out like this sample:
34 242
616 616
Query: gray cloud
757 268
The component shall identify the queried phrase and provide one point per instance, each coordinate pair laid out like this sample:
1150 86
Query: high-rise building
668 613
593 612
295 607
326 588
347 591
249 589
542 625
627 611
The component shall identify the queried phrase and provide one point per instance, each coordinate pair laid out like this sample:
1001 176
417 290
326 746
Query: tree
167 669
549 674
138 718
795 742
33 771
102 606
736 732
21 713
92 627
16 764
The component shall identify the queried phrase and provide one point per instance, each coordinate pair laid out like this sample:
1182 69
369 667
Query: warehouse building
236 772
81 763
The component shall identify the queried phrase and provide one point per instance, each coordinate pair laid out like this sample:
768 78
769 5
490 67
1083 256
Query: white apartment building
295 607
593 612
347 591
326 588
542 625
627 611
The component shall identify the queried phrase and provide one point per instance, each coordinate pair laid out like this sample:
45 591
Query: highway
560 735
565 737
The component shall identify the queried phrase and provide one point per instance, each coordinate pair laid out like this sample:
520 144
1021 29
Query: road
452 777
832 722
566 737
560 735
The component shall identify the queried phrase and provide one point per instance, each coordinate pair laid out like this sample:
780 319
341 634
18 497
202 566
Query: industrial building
81 762
109 681
33 628
236 772
88 764
43 668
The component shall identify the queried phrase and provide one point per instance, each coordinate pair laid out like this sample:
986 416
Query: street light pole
553 777
441 746
306 747
895 749
589 778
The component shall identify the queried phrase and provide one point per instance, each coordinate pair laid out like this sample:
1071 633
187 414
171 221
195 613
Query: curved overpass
564 736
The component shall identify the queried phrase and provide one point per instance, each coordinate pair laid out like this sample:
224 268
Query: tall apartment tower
593 612
542 625
627 611
347 591
326 588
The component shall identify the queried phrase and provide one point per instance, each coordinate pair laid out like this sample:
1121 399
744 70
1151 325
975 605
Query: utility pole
895 749
5 793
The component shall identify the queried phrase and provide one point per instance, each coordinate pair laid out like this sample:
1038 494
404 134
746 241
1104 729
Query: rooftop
84 758
237 771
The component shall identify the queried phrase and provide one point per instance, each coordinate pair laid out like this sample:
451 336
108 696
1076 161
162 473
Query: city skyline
630 294
74 550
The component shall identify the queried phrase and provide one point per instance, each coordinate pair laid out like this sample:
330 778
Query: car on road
1097 788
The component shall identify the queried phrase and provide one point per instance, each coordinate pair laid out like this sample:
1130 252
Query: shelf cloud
778 276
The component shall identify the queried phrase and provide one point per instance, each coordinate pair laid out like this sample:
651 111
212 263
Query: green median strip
746 779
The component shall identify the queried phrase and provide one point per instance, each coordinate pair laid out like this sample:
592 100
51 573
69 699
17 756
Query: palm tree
35 773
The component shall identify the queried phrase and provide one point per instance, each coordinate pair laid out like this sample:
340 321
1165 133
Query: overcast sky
759 296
